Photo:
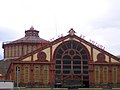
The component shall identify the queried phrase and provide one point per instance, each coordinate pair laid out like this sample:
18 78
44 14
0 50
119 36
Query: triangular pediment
49 49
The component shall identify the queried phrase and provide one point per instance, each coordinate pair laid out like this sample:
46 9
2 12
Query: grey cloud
5 34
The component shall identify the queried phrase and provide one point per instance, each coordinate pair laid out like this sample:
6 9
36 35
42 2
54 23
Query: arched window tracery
71 62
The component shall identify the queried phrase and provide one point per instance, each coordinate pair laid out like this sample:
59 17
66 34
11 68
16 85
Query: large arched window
71 62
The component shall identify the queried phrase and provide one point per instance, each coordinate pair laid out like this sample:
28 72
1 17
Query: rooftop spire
32 28
71 31
31 32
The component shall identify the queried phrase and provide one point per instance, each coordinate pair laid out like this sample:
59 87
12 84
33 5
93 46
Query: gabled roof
70 35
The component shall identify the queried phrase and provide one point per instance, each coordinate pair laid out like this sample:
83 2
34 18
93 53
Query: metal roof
31 36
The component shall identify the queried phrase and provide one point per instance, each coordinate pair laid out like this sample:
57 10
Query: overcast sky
98 20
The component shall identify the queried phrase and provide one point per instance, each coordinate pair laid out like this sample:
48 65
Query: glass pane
77 62
76 57
79 48
71 52
58 62
64 47
85 72
66 62
58 67
85 77
60 51
85 67
66 57
58 71
85 62
83 52
76 67
74 45
66 72
77 72
69 45
66 67
58 56
84 56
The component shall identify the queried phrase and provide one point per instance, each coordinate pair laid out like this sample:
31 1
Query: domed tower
30 42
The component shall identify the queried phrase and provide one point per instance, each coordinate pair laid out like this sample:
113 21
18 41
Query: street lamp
17 75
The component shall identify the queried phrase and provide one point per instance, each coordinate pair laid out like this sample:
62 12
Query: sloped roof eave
65 37
27 40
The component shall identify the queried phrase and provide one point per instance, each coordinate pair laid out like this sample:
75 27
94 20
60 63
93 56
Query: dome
30 42
31 36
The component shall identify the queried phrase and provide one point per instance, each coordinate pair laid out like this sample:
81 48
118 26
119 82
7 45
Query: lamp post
17 75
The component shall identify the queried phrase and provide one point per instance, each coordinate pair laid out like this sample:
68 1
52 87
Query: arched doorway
71 66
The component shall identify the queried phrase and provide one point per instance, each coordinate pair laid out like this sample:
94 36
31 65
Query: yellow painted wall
27 59
95 53
47 51
67 39
35 56
113 60
88 47
107 58
76 40
54 47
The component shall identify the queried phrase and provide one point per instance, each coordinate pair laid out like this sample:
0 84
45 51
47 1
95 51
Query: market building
67 61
